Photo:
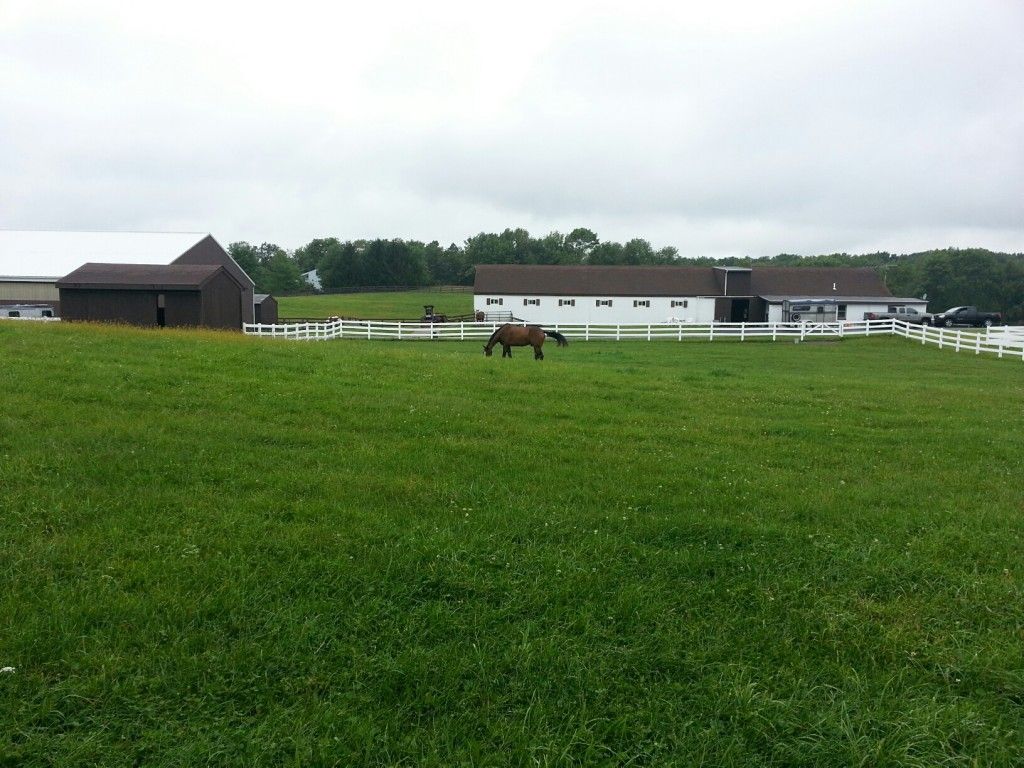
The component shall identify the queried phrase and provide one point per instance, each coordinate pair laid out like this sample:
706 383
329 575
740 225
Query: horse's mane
494 336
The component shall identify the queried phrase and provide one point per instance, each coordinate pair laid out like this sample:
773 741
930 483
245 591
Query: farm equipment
429 316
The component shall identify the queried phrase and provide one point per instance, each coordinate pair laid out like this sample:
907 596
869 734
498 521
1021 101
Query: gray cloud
888 125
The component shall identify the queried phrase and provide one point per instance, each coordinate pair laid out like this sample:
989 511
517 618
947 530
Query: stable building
172 296
658 294
33 261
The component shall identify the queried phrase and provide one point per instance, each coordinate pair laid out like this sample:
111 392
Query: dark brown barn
178 295
209 251
266 308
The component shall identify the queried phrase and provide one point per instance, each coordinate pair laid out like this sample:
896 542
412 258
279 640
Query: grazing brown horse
520 336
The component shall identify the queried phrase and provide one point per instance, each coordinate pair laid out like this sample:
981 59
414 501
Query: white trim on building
548 310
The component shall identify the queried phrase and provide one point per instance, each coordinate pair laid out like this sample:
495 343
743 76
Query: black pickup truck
966 316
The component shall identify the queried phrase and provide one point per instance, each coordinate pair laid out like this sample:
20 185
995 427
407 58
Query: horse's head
487 351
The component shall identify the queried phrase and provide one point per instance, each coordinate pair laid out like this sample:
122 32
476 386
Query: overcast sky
726 128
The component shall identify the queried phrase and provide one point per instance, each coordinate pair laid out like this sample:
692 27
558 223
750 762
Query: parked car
906 314
967 316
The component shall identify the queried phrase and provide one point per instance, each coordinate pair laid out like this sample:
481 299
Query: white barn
657 294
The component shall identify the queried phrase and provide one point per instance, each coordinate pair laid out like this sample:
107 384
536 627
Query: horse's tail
562 341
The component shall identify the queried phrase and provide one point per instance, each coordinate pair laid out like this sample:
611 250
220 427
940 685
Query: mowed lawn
220 550
393 305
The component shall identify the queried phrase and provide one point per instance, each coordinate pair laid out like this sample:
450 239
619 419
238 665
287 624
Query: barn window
14 313
47 313
641 302
494 301
567 302
684 303
604 302
531 302
841 312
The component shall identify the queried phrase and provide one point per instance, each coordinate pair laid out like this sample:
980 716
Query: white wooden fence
1001 342
1008 344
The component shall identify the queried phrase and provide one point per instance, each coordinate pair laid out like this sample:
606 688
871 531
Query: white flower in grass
7 671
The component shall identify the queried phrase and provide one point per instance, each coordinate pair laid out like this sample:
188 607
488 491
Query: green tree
247 257
341 267
579 244
279 274
310 255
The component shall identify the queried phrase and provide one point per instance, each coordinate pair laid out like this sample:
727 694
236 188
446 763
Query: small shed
266 308
177 295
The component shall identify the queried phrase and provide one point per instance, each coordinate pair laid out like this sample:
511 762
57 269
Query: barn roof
673 281
595 281
259 298
141 277
51 254
831 297
849 281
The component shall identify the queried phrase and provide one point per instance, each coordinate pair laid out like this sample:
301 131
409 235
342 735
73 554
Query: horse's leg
506 350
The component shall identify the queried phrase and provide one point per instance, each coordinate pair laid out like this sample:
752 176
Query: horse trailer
817 311
26 311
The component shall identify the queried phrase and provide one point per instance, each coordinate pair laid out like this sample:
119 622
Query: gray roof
845 299
595 281
534 279
141 277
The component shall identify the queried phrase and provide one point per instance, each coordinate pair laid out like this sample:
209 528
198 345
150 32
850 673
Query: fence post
618 329
711 331
462 330
648 331
368 329
1000 349
680 332
774 331
841 326
743 328
586 332
957 347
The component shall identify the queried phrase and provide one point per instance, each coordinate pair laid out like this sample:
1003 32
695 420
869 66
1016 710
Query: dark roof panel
844 281
595 281
672 281
140 277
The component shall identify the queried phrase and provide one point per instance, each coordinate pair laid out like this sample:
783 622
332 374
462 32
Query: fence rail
1009 344
1001 343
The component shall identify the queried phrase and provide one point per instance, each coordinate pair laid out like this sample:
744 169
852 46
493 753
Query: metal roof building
651 294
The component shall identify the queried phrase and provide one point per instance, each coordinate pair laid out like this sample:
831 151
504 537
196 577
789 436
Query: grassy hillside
400 305
219 550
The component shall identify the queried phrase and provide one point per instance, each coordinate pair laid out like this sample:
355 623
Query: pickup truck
967 316
906 314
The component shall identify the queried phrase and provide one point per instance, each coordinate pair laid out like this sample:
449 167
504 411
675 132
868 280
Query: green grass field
406 305
221 550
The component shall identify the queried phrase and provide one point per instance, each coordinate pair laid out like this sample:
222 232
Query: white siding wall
622 311
854 312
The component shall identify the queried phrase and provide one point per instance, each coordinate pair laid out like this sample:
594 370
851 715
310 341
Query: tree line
988 279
